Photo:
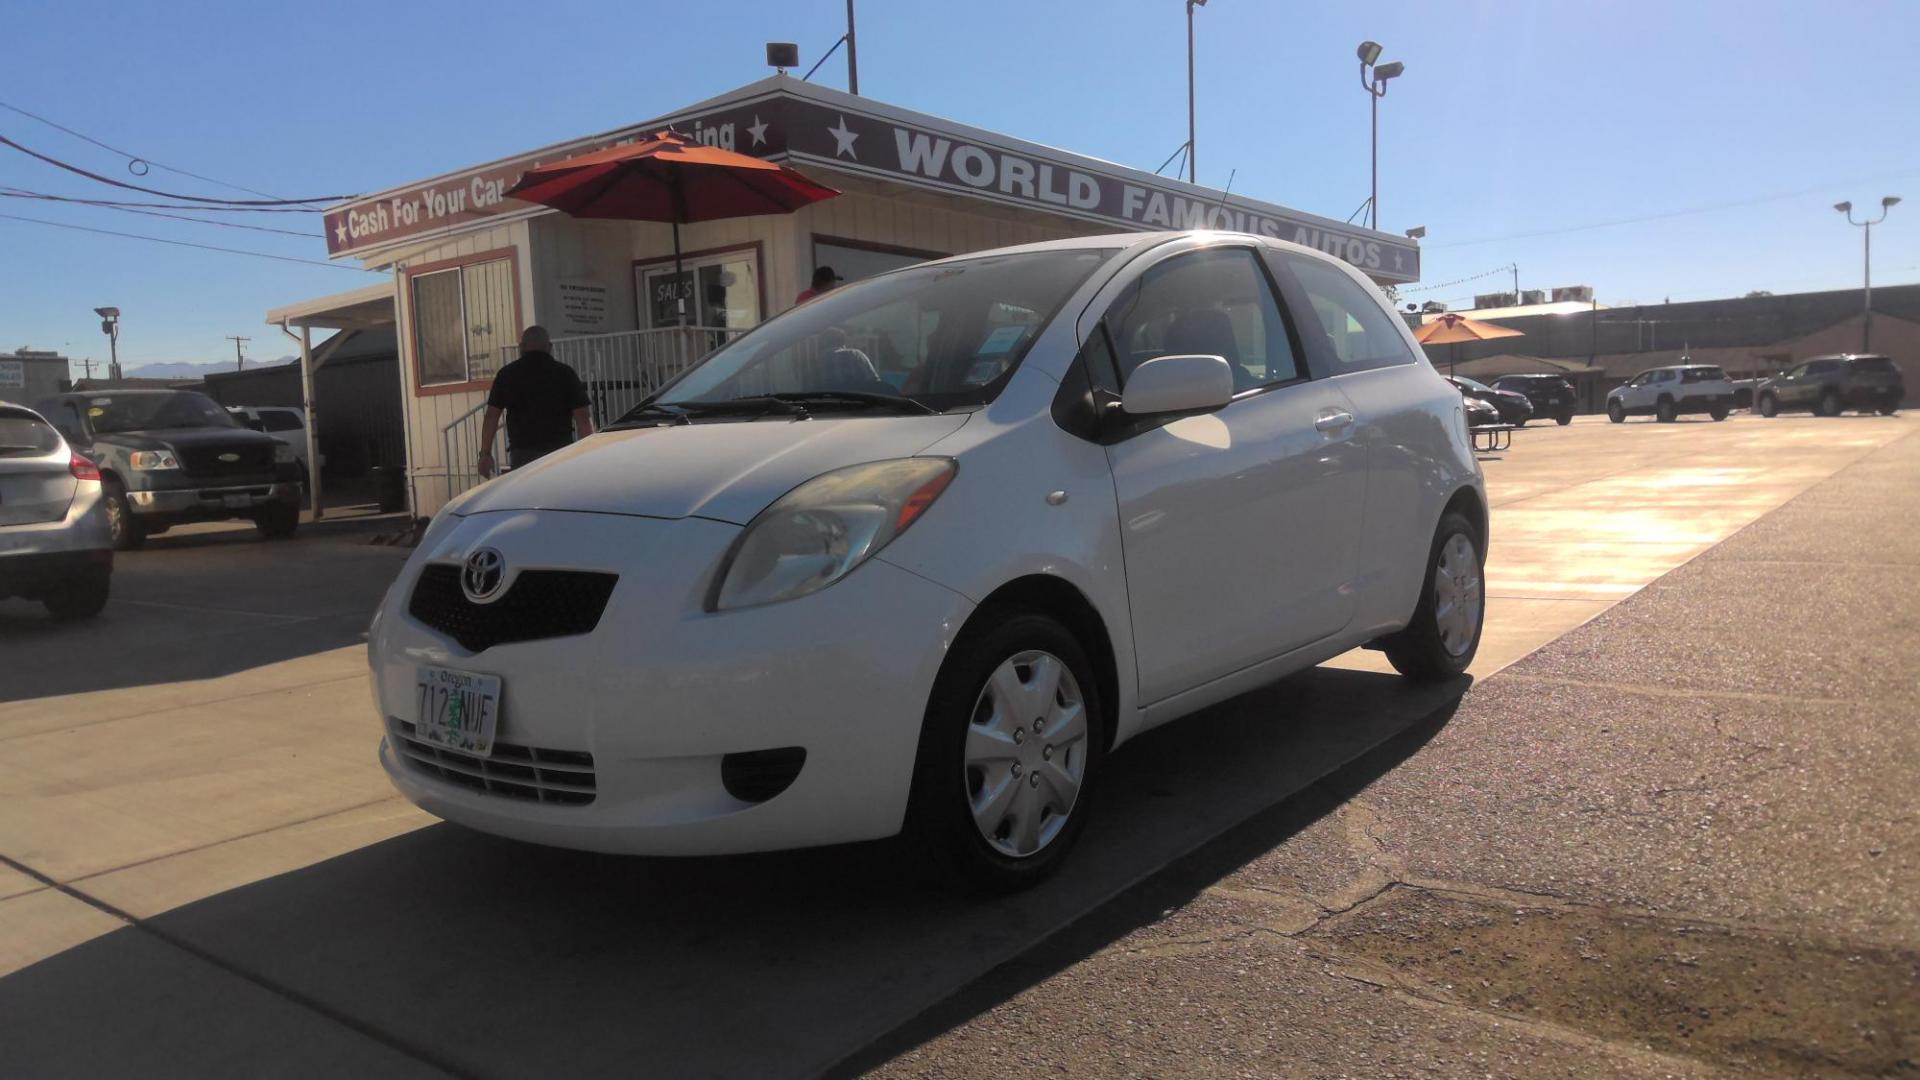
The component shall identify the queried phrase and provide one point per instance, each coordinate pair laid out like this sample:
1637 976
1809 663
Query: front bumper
662 690
216 501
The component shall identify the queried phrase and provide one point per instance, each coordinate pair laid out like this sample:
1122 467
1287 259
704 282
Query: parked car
1830 385
1667 392
172 456
1480 413
54 542
784 603
1551 395
287 423
1514 408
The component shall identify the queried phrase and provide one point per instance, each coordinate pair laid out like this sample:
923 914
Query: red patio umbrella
666 178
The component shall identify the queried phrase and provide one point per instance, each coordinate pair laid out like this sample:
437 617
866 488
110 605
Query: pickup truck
173 456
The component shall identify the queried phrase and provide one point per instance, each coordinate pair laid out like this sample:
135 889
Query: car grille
514 772
204 461
540 604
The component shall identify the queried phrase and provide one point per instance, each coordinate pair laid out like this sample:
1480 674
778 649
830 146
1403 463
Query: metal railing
620 371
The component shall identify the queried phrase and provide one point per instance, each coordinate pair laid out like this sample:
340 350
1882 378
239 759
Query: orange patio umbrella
668 179
1451 329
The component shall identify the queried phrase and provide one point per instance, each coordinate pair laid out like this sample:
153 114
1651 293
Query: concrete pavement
215 819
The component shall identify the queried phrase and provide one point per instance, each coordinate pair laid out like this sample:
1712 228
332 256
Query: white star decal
843 140
340 230
757 129
1399 261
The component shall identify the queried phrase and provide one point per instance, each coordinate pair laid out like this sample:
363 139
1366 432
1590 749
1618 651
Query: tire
1438 645
1769 406
80 597
1664 411
128 533
278 521
1830 404
1719 412
1563 419
1887 410
977 731
1615 412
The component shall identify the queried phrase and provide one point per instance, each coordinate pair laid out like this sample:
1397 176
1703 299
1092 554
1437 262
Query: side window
1214 303
1359 332
280 420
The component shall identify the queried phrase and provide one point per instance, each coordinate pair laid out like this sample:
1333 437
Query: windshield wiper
895 402
631 419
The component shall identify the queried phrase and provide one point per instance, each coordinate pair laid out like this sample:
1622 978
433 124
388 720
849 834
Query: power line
25 193
57 163
14 193
132 159
1708 209
1507 269
186 243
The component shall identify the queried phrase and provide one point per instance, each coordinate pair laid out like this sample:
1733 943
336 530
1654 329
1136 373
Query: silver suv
54 543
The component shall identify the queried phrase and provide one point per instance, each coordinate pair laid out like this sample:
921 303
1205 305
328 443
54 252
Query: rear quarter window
1875 365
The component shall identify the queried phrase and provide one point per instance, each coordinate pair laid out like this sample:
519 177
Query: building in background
356 381
27 375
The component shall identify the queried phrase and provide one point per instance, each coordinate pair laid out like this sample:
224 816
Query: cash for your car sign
782 119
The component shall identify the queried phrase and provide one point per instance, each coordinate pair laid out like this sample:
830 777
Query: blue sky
1514 125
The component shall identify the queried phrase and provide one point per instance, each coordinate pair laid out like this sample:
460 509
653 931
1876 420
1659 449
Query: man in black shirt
545 402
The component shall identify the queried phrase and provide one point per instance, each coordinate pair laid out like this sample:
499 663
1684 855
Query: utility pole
1193 166
239 362
1516 284
853 56
86 366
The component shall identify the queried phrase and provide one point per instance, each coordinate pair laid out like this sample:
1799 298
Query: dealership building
472 266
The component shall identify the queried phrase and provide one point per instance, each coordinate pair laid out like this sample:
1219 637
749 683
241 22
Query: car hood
728 471
176 438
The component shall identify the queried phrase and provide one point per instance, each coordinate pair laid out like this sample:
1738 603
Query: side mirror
1169 384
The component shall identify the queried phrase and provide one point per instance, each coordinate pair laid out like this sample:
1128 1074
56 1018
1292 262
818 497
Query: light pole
1866 263
1375 84
110 326
1193 168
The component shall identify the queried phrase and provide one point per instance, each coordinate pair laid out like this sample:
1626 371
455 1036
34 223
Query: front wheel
1887 410
125 528
1563 419
1830 404
1011 741
1719 412
278 521
1616 413
1769 406
1445 632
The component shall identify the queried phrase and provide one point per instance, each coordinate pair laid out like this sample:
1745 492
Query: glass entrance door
717 291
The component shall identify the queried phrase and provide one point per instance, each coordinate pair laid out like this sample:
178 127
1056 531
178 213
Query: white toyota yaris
914 556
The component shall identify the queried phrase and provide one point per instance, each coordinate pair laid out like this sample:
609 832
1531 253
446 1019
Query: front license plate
457 709
236 502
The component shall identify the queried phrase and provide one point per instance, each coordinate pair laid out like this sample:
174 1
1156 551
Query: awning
360 309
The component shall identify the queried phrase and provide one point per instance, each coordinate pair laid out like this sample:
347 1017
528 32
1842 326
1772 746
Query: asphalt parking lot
1667 828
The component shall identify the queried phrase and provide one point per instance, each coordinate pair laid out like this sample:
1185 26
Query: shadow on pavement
487 957
202 605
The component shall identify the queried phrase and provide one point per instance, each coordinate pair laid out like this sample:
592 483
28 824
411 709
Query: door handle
1333 421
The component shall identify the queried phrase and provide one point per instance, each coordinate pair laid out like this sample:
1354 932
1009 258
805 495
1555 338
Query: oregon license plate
457 709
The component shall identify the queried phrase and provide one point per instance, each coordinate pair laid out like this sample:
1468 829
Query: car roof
8 408
1139 241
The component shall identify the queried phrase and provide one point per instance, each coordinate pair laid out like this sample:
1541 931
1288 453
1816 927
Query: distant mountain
182 369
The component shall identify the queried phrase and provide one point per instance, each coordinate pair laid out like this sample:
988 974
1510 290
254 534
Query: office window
463 317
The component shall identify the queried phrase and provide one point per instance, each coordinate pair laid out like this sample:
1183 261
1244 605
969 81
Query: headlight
154 459
817 533
282 454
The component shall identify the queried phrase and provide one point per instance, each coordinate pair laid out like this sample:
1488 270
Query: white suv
1667 392
914 556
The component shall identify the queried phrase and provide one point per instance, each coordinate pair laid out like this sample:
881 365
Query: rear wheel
79 597
1719 412
1563 419
278 521
1830 404
1769 406
1445 632
125 527
1664 411
1011 740
1615 412
1887 410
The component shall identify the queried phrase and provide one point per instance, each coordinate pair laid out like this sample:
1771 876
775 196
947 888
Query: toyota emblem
480 579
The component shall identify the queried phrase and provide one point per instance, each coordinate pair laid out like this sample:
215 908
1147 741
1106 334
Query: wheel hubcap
1457 594
1026 753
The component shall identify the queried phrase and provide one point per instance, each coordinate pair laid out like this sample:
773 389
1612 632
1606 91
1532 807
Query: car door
1236 525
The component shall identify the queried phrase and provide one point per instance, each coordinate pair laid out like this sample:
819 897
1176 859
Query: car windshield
1876 364
22 435
1702 374
150 412
1470 384
929 337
